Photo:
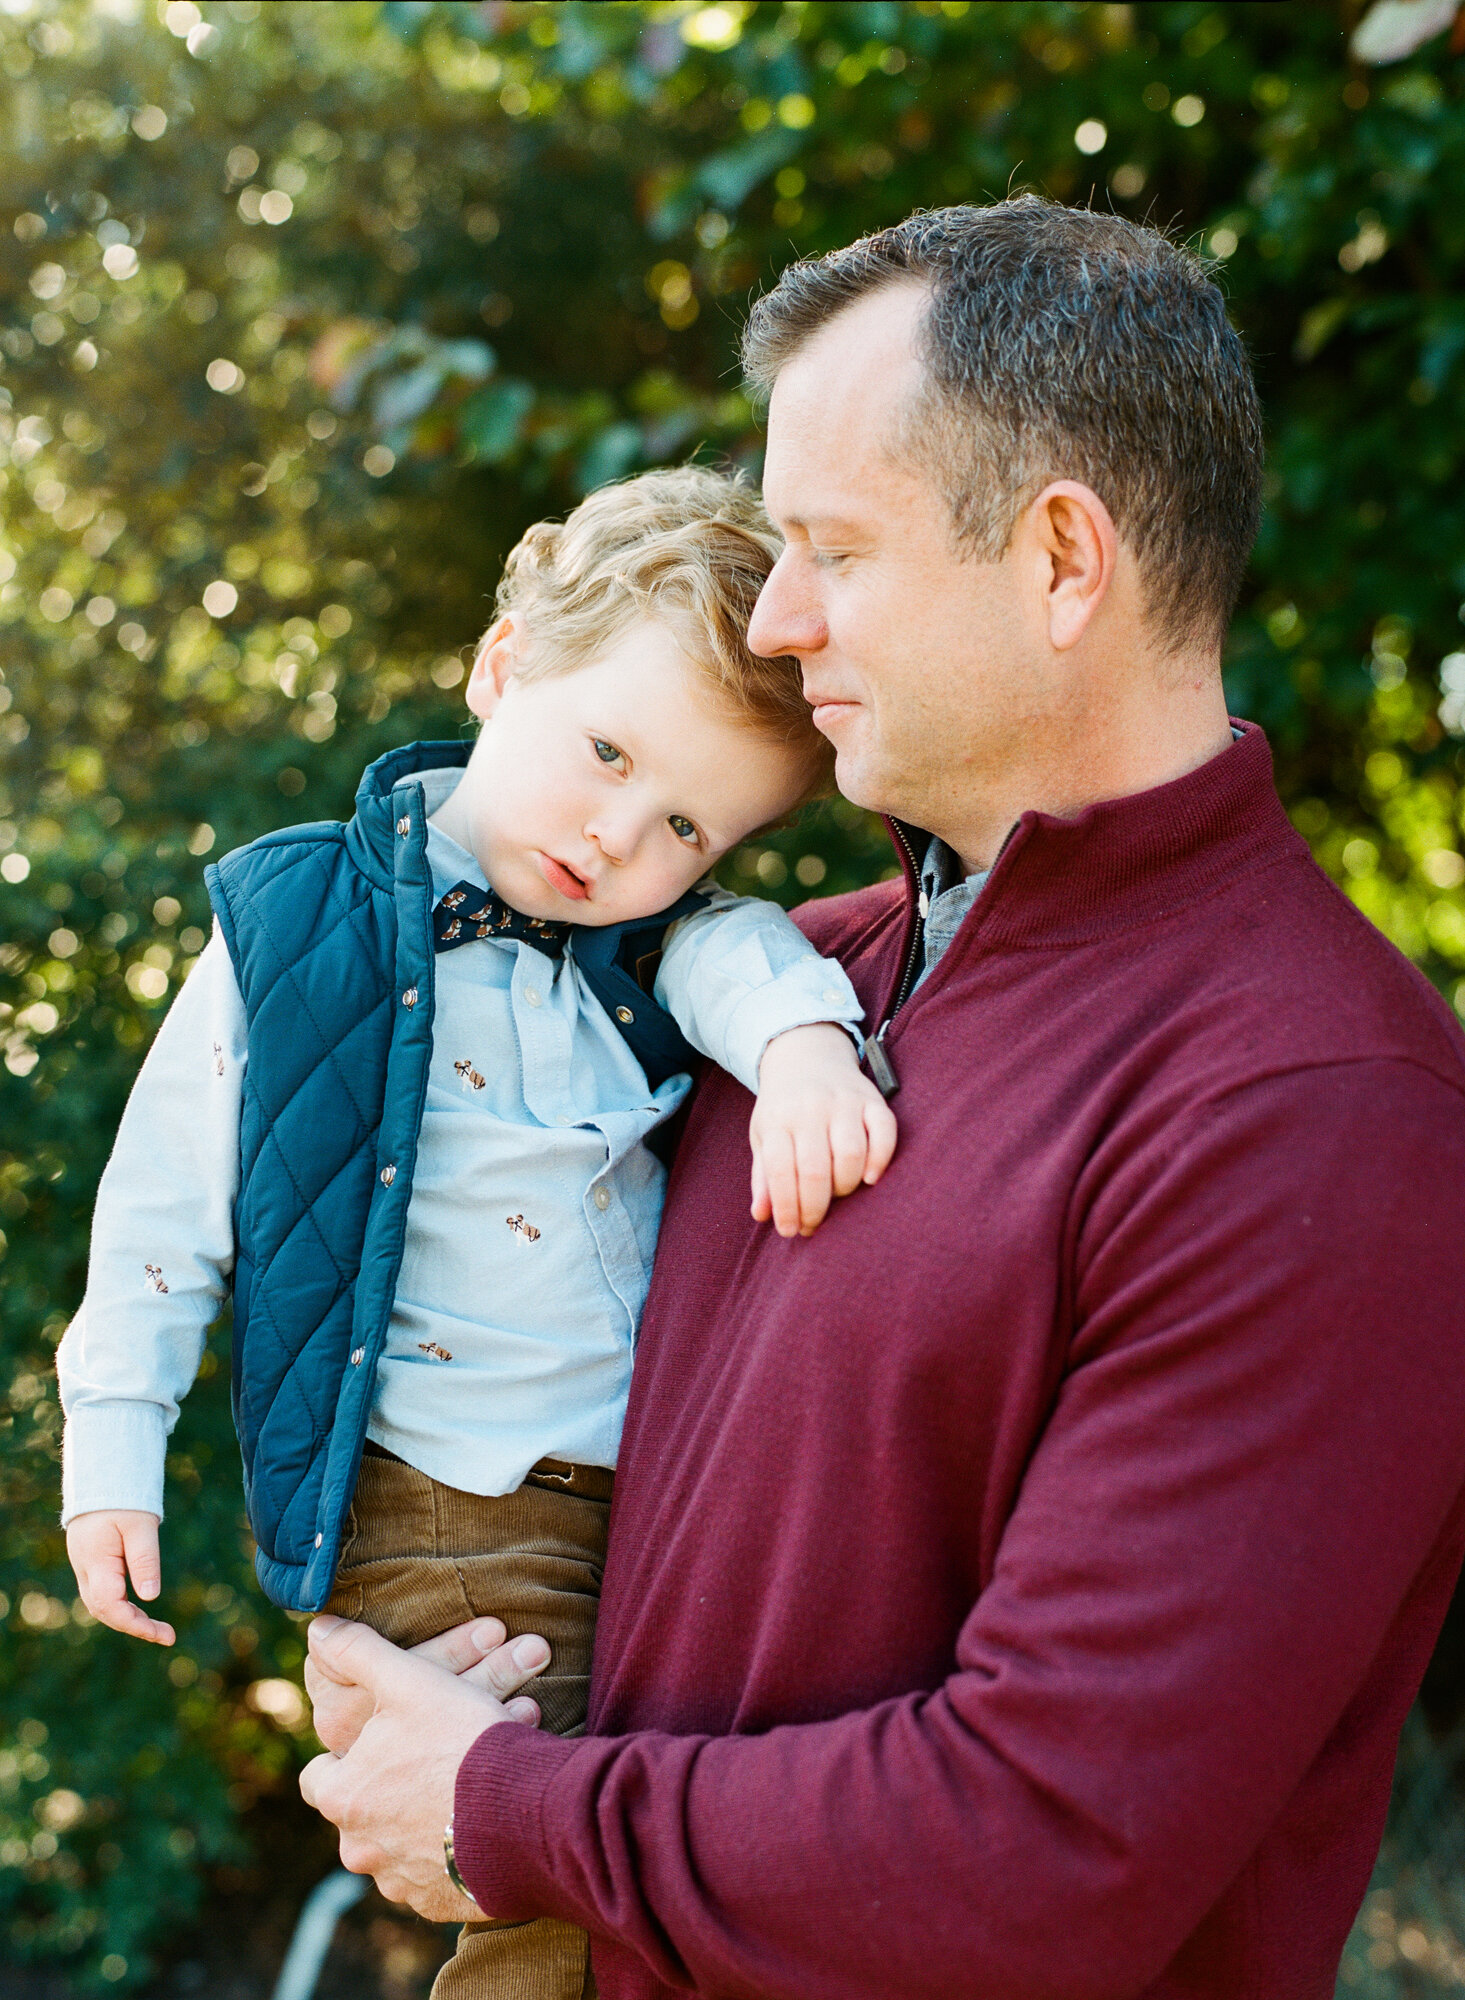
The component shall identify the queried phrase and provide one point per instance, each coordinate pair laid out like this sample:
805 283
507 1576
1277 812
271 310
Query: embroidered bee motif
454 929
522 1229
155 1282
218 1060
431 1347
454 899
471 1079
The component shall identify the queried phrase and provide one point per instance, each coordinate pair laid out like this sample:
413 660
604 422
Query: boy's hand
819 1129
105 1548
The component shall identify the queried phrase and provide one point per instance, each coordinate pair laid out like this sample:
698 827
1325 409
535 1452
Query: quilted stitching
314 943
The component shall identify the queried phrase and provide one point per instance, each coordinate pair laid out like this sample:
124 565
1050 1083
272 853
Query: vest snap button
404 826
409 998
389 1174
358 1355
625 1014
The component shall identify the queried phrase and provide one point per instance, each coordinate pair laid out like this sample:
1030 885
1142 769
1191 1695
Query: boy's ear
493 663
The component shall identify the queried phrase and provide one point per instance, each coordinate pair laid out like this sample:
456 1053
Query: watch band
450 1865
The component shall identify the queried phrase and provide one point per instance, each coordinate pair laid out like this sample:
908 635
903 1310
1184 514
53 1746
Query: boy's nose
616 834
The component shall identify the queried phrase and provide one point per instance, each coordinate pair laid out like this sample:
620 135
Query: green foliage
306 312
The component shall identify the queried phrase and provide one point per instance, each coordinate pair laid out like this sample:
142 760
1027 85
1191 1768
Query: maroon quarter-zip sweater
1016 1589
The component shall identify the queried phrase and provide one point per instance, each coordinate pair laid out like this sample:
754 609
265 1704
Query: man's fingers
462 1646
883 1131
507 1668
315 1784
523 1709
352 1653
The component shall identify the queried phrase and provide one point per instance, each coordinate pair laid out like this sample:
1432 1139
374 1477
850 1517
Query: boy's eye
682 827
606 752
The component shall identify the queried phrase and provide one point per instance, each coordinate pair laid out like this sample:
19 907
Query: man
1017 1589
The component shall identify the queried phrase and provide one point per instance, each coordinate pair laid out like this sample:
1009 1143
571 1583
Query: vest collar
379 803
1126 862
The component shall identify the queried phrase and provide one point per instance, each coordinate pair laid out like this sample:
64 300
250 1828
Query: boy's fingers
883 1131
816 1177
762 1207
140 1546
849 1143
781 1172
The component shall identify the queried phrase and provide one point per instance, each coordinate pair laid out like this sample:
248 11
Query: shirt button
358 1355
831 993
624 1014
389 1174
564 1119
531 994
318 1540
409 998
601 1197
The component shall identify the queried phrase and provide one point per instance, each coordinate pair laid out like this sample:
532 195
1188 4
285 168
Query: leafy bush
306 311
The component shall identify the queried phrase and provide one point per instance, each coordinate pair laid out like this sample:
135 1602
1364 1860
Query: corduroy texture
1016 1589
419 1557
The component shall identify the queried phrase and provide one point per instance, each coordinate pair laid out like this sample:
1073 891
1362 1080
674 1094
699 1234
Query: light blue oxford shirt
534 1212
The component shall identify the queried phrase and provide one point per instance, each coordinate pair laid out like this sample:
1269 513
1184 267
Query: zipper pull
881 1067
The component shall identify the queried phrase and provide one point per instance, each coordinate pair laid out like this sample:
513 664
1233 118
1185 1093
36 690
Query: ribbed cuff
112 1458
498 1824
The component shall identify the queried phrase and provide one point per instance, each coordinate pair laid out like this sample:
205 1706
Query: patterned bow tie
466 914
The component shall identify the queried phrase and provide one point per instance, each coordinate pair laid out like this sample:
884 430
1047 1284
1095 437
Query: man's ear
1074 548
493 664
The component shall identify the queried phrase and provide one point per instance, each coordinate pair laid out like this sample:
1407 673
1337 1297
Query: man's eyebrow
807 523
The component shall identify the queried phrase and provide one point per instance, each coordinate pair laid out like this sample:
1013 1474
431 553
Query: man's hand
391 1794
105 1548
476 1653
819 1128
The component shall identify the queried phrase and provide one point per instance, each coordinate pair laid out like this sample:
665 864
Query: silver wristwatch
450 1865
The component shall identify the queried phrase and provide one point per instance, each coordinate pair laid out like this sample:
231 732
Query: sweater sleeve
1252 1459
739 972
161 1251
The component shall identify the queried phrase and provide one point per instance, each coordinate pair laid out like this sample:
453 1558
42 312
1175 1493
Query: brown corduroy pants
419 1557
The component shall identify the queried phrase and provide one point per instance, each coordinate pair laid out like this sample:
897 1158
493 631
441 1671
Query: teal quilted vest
329 927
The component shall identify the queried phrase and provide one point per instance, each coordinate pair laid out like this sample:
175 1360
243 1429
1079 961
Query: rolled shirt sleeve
740 972
162 1249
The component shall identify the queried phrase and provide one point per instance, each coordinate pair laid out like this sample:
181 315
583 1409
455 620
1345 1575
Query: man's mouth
564 879
829 711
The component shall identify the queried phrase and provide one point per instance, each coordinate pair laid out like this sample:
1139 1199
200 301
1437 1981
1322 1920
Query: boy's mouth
563 879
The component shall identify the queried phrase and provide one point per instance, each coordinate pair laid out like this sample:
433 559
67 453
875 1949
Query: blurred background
305 311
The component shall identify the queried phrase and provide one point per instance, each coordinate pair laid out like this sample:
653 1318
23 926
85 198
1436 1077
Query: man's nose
788 617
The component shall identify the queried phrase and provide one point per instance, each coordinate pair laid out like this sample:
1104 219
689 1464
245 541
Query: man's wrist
450 1865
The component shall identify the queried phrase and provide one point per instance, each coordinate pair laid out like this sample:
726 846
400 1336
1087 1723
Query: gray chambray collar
946 897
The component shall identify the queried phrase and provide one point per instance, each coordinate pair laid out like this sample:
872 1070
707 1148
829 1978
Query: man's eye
606 752
681 827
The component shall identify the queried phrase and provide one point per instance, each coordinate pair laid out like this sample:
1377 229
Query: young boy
408 1100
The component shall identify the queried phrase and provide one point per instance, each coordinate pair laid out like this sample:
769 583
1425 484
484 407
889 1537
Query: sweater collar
1126 862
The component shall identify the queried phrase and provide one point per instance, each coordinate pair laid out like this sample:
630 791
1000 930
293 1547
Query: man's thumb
356 1656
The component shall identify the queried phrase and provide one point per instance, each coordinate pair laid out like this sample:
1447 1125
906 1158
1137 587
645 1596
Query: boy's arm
162 1248
739 972
749 990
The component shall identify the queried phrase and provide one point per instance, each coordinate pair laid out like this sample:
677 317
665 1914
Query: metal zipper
882 1070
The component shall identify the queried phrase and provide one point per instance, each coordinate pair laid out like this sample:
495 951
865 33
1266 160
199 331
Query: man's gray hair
1063 344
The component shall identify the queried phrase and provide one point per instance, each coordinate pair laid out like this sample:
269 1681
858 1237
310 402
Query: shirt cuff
112 1458
799 998
498 1824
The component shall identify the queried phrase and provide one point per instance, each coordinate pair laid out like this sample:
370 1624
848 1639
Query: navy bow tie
466 914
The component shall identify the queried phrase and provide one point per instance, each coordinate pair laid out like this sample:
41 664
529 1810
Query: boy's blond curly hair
688 547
